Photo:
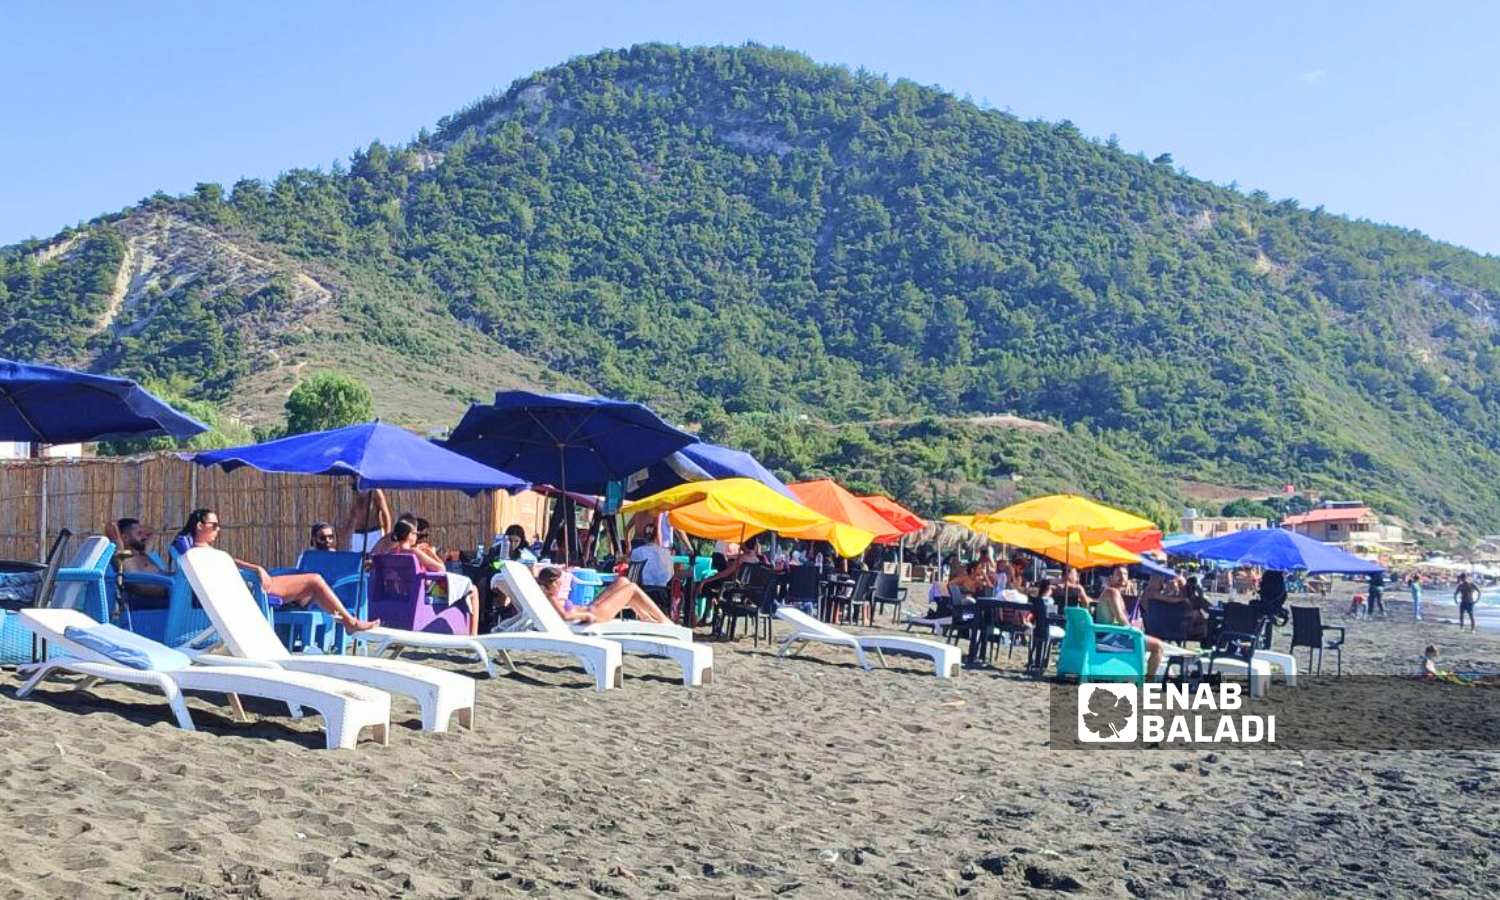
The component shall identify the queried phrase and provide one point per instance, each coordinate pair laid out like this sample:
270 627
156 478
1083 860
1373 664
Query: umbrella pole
364 560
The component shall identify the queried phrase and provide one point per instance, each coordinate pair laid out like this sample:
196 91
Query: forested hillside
830 269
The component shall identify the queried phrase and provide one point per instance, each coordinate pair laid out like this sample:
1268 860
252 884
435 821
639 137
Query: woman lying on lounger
619 595
202 529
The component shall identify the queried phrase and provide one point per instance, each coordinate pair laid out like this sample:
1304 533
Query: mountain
840 273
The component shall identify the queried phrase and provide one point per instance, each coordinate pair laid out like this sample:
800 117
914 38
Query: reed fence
266 517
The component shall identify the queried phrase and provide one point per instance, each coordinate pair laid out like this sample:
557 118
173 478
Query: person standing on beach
1467 594
368 520
1373 603
1414 584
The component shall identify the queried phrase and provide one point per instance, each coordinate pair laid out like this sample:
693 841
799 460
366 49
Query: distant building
1200 526
1342 522
22 450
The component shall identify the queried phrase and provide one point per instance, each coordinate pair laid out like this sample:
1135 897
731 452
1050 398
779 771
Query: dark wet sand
797 778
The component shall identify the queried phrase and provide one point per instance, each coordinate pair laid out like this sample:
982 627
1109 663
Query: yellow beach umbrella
1070 549
734 509
1070 514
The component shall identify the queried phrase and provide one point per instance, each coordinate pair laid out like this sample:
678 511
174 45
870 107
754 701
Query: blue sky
1385 111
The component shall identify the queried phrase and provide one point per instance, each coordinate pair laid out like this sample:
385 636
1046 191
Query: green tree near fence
328 400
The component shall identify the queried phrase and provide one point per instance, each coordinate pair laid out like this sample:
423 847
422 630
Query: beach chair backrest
1307 627
805 622
92 555
522 588
1167 621
331 564
886 585
633 573
54 562
802 584
236 616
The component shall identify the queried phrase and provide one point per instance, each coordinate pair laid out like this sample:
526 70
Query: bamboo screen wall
266 517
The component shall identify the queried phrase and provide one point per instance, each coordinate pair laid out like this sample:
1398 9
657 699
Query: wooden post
41 515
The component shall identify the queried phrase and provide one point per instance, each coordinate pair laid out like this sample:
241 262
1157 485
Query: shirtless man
1467 594
368 520
136 538
1112 612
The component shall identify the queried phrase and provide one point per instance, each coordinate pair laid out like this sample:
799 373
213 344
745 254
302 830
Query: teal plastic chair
183 618
140 615
84 584
1122 656
312 627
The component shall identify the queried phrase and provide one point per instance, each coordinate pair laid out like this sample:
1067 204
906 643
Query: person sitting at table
515 548
386 541
133 536
973 582
1018 572
1111 611
1072 592
1197 601
323 537
406 540
300 589
617 596
658 569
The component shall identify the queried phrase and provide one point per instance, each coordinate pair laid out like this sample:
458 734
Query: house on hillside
1201 527
1345 522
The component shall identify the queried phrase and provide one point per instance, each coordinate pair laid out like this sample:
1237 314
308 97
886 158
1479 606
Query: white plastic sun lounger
945 658
347 709
1259 673
695 660
249 637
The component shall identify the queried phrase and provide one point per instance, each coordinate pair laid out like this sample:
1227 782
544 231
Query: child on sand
1431 672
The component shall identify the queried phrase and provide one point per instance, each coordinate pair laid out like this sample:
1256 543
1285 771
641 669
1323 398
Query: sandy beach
803 777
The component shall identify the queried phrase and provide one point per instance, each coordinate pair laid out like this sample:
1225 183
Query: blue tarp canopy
1278 548
1176 538
376 455
701 461
48 405
570 441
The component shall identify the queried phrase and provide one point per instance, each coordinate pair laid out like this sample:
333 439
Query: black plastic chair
1231 645
1167 621
842 599
1309 631
754 599
964 613
1242 618
888 591
45 587
804 588
1039 654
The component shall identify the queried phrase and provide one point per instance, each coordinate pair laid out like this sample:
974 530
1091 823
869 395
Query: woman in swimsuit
618 596
302 589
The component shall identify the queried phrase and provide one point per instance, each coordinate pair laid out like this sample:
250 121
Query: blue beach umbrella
572 442
373 454
1280 549
48 405
702 461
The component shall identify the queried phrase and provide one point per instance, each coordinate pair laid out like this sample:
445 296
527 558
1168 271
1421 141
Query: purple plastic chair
398 598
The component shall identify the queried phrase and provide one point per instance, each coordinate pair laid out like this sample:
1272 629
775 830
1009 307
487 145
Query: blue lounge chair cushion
128 649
